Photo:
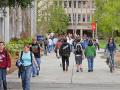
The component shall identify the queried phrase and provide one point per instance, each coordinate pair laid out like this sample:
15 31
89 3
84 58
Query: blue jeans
49 48
90 62
3 81
35 70
26 76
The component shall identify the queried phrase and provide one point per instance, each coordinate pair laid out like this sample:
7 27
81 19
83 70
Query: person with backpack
90 53
27 59
5 64
65 54
57 48
45 46
78 56
35 48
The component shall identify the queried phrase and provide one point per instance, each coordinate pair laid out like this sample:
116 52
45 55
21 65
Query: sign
40 37
93 26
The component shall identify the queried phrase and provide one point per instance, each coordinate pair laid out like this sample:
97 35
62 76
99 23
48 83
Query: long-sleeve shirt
5 60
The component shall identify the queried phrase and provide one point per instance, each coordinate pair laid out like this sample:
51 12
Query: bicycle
111 62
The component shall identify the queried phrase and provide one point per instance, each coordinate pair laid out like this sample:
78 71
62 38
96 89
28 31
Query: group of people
82 49
30 59
30 56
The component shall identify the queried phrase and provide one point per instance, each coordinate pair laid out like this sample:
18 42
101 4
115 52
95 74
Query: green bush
15 46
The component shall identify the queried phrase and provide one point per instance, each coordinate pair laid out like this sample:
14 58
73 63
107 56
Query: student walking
27 58
5 64
65 54
57 48
35 48
90 53
78 56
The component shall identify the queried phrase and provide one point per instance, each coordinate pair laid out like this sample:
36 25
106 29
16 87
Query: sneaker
66 68
89 70
81 69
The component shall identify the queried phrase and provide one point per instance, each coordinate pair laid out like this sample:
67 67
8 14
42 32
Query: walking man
90 53
5 64
65 54
35 48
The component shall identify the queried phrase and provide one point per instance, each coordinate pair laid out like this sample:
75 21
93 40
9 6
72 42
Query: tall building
80 14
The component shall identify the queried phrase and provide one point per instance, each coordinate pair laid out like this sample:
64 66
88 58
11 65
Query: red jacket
5 60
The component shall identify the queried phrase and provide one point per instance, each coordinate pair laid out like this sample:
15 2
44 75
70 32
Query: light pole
96 30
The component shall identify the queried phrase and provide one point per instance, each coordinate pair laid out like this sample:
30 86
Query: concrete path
51 74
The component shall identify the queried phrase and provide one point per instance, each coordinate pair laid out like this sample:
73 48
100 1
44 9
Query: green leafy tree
13 3
108 16
58 20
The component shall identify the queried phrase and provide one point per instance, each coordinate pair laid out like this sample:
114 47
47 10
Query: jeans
65 60
49 48
90 62
35 70
3 81
26 76
45 50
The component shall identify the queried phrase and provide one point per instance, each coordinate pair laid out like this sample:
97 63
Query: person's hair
27 45
90 43
110 38
2 43
78 40
65 40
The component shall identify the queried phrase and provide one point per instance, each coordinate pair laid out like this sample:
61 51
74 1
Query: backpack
19 62
78 49
46 42
66 50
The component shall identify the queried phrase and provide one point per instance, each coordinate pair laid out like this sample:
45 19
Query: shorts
78 60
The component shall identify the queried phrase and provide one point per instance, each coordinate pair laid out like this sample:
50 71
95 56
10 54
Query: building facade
80 14
17 21
4 25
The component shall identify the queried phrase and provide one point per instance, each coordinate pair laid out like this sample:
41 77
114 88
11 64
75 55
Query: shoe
89 70
81 69
77 70
66 68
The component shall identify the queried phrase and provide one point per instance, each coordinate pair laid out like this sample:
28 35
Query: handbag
19 62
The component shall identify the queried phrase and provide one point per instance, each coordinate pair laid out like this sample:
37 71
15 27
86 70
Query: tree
58 20
13 3
107 14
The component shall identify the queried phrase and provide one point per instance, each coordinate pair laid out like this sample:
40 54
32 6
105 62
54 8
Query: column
81 33
6 27
33 18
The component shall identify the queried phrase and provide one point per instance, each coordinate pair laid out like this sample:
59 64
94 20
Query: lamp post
96 30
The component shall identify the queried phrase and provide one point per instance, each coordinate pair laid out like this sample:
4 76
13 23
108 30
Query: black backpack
78 49
66 50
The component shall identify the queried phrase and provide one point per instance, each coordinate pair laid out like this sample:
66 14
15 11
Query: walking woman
28 59
90 53
78 56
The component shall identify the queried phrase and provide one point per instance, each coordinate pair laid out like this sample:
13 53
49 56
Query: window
70 3
55 3
84 4
83 18
65 4
79 4
69 17
60 3
74 4
79 17
88 18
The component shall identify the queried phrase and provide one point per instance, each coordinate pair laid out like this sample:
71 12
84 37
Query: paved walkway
51 73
